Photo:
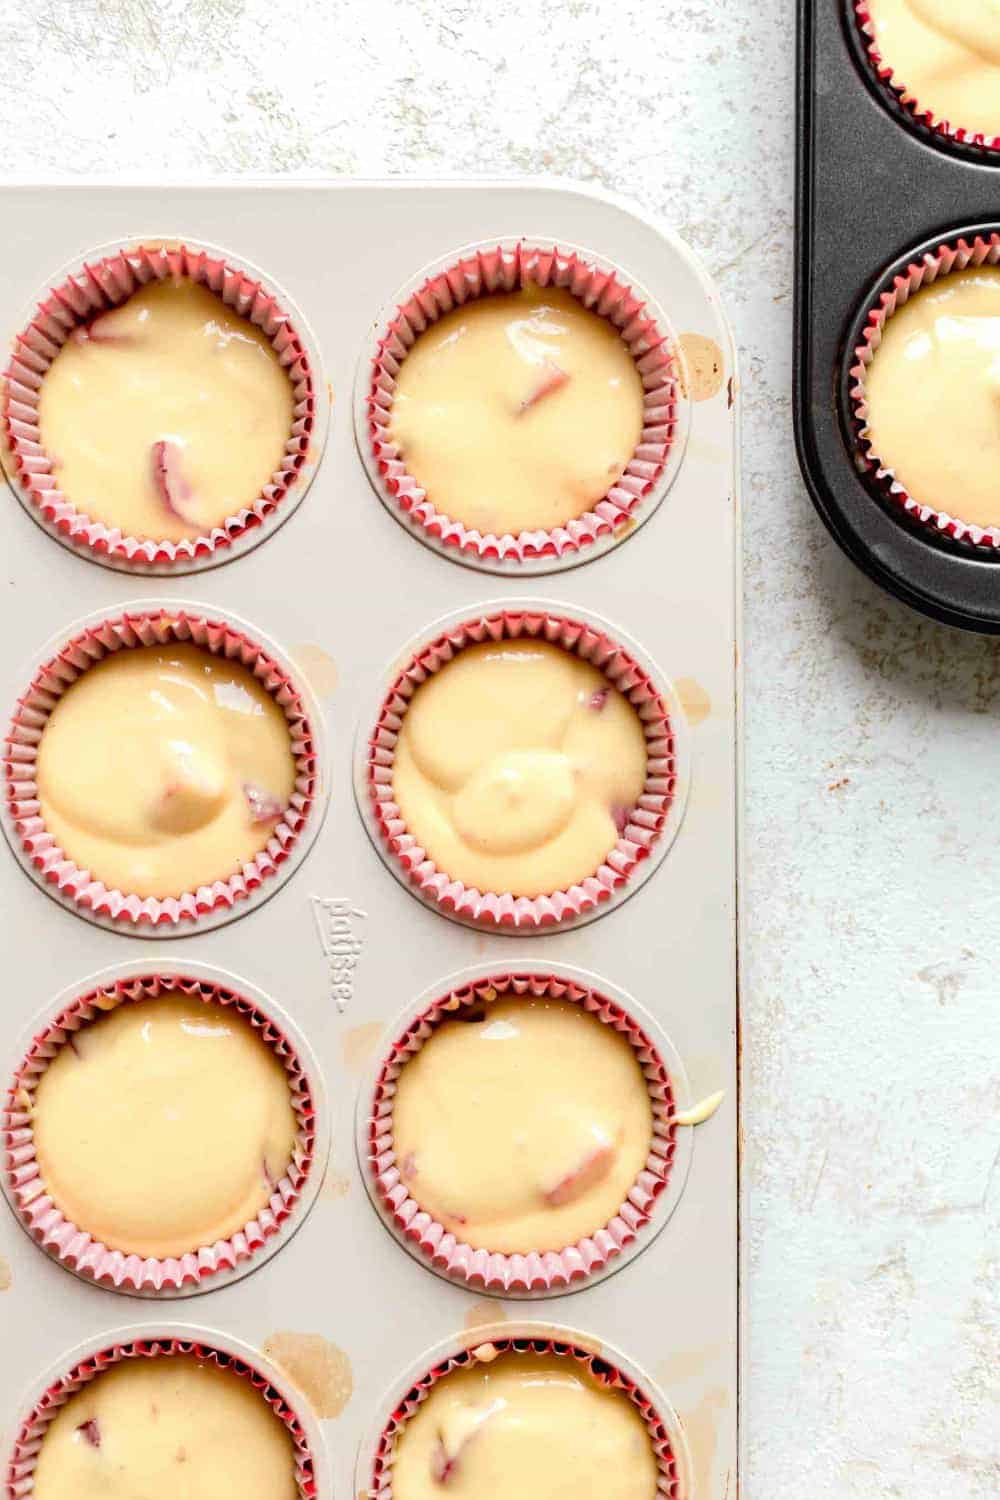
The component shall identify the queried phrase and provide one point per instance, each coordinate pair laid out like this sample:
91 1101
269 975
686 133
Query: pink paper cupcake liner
602 289
534 1271
958 255
671 1479
21 1467
900 94
73 1246
85 294
646 821
26 826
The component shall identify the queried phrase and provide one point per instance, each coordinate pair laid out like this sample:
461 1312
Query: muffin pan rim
945 136
250 536
666 1202
137 968
304 839
209 1338
506 1332
682 754
644 509
875 473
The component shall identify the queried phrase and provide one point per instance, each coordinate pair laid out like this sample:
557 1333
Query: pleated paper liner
504 266
203 1266
106 279
651 824
149 624
81 1367
607 1366
650 1200
900 96
935 514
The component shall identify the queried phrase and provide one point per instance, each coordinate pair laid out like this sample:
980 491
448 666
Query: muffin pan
877 191
337 592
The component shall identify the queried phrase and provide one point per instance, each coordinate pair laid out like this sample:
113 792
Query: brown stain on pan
695 701
317 666
704 367
334 1186
686 1364
481 1314
6 1275
701 1429
317 1366
358 1044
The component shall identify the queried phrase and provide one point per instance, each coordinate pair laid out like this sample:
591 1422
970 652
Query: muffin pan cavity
651 1198
202 1267
72 308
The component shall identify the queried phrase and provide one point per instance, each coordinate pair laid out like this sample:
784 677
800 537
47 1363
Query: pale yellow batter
163 1126
946 54
170 1427
934 396
516 765
526 1129
167 414
162 769
530 1426
518 411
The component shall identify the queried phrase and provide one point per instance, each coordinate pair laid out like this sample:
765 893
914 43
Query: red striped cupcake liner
950 255
606 1367
31 1434
899 93
646 831
54 869
72 1245
507 266
538 1272
106 282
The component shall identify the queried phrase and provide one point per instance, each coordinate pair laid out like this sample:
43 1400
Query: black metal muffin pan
874 190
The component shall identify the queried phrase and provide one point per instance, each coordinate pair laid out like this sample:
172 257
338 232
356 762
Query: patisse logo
335 917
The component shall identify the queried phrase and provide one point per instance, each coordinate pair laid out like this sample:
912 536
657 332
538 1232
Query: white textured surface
869 1005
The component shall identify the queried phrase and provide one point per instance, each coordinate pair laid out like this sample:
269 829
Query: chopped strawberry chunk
449 1449
264 806
598 699
171 485
91 1432
551 380
585 1175
99 331
442 1466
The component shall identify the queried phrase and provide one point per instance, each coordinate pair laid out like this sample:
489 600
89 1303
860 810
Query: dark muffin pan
874 191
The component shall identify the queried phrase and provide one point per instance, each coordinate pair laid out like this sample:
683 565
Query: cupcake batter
515 766
518 411
946 54
171 1427
526 1129
162 769
934 396
164 1125
167 414
531 1425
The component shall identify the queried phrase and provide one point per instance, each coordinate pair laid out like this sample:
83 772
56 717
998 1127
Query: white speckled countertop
871 1021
